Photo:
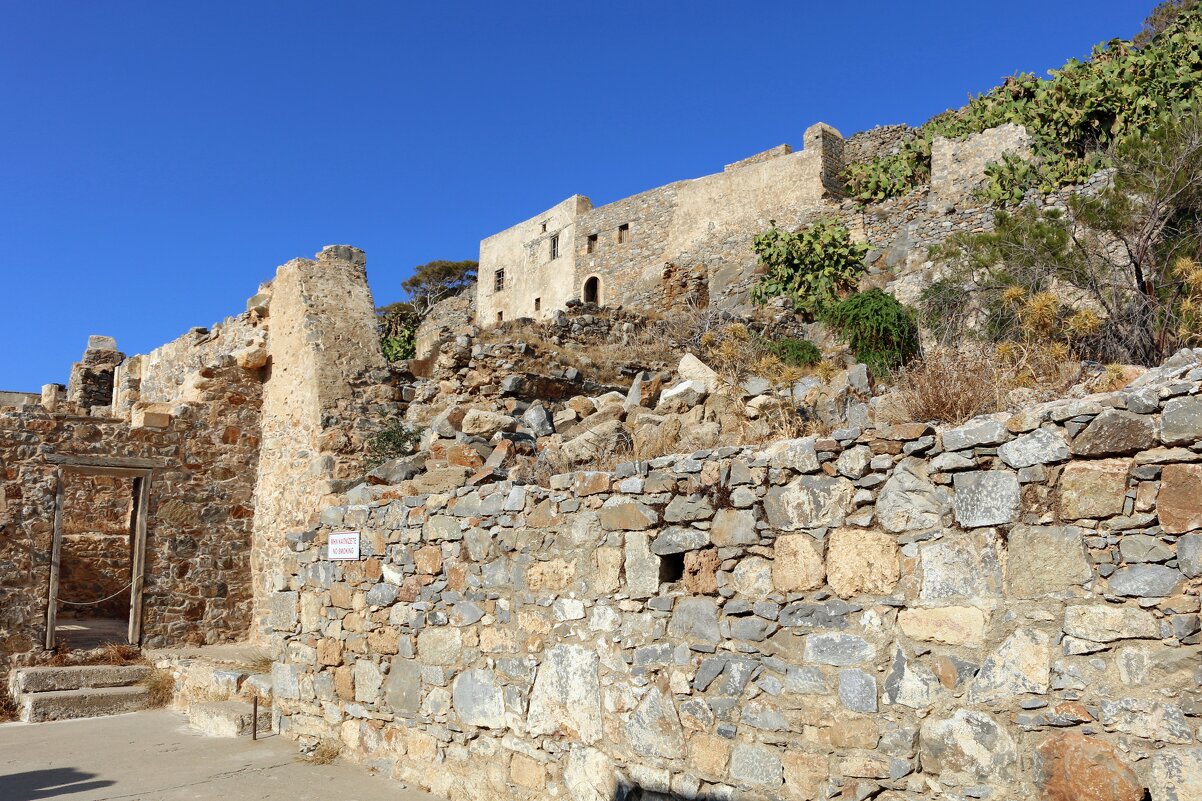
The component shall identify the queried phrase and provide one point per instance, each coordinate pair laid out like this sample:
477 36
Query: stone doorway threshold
83 633
154 756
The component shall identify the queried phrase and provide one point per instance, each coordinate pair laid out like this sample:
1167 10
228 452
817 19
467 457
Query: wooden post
138 568
56 549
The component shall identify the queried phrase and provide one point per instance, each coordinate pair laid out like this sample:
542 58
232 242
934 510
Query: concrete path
154 756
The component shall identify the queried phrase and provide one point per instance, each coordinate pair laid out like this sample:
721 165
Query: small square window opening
623 233
592 243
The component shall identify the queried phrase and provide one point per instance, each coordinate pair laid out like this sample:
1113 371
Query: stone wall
198 584
94 562
995 610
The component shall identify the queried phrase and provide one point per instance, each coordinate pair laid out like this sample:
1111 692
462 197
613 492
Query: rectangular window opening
592 243
538 304
555 247
623 233
498 280
500 317
671 568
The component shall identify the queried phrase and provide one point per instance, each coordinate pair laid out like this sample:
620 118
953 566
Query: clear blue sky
159 159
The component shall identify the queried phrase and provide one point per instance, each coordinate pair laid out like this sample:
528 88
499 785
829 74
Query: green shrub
1117 95
399 347
812 267
792 352
880 331
394 440
397 327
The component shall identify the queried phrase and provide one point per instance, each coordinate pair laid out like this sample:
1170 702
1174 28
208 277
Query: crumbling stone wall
322 344
994 610
198 582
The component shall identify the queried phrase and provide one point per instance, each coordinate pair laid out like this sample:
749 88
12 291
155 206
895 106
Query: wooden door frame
142 472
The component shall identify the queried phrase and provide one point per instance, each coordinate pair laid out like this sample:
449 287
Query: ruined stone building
690 241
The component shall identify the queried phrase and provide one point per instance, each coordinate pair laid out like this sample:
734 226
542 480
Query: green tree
430 283
1117 276
437 280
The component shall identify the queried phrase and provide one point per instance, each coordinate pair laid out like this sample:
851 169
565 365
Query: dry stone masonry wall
989 611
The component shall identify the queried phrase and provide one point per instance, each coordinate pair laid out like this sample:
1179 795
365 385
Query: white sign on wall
344 545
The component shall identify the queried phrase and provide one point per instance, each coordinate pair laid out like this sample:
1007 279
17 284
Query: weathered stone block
1181 421
909 501
797 563
1093 489
970 745
1046 559
1020 665
1071 765
566 698
1115 433
986 498
954 625
1038 447
808 502
1109 623
860 561
1179 502
478 699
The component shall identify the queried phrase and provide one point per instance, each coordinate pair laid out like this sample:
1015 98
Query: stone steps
84 691
88 702
46 679
227 718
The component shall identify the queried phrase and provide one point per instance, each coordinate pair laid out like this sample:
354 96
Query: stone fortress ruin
1003 609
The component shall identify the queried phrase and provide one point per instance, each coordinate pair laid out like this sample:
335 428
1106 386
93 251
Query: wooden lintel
73 460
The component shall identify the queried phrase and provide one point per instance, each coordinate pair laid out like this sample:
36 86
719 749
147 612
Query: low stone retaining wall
992 611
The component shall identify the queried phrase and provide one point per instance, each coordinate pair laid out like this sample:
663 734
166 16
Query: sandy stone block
526 772
700 572
608 570
1179 502
861 561
709 755
554 574
953 625
1093 489
805 774
428 560
797 564
329 652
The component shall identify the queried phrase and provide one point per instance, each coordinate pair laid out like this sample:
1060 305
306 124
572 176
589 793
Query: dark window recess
555 247
544 228
500 317
623 233
671 568
538 304
498 280
592 243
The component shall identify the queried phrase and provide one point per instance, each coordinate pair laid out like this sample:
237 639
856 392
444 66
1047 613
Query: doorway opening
592 290
98 554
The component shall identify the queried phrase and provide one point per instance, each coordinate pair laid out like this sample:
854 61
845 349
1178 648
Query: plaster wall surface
523 252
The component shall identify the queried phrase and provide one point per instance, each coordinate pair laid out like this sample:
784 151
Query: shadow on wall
633 792
50 783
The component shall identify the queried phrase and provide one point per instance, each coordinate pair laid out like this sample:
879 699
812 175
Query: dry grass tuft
160 688
952 384
326 752
8 707
111 653
258 663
